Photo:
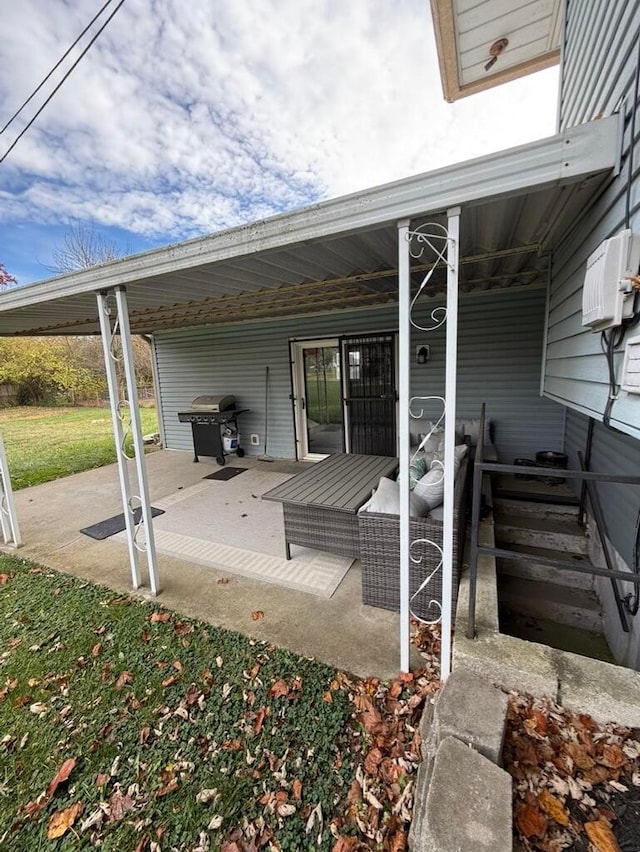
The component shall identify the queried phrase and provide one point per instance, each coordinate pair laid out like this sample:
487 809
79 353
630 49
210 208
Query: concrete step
539 510
561 636
554 534
534 570
563 604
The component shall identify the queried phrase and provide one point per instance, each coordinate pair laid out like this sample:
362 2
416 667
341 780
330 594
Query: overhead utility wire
55 68
27 126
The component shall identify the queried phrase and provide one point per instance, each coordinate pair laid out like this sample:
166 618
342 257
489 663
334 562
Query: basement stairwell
539 602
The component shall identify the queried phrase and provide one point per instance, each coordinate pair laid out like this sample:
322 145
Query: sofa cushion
471 427
386 500
460 451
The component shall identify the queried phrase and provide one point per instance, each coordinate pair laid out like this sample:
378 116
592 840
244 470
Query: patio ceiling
341 254
525 36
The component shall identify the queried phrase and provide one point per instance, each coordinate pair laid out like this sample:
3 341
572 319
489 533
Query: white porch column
8 515
130 501
404 345
453 231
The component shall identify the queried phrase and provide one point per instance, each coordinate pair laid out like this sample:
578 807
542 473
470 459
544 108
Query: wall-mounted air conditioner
607 296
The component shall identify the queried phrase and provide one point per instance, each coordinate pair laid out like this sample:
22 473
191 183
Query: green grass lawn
324 401
123 726
46 443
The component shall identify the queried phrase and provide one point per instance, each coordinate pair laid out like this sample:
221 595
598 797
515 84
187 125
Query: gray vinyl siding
599 65
499 362
611 453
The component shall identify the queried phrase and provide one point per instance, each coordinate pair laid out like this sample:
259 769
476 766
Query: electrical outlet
255 440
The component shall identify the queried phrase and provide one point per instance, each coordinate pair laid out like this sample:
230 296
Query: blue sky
187 118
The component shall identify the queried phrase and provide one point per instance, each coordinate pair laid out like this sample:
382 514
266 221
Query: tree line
48 370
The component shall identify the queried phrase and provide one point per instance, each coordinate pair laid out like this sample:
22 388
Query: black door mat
226 473
116 524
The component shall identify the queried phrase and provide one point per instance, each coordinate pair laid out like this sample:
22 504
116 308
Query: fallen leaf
398 842
177 665
612 756
579 755
169 681
4 578
370 717
61 821
119 804
297 789
345 844
553 807
102 778
372 761
280 689
222 581
257 615
259 720
160 617
96 650
530 822
39 708
327 697
32 808
395 689
601 836
124 679
171 787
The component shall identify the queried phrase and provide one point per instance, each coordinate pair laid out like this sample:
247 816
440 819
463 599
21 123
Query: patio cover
342 253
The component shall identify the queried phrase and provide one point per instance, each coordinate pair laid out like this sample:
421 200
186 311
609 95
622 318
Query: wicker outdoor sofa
380 554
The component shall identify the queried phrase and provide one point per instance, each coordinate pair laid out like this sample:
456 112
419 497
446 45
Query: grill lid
213 403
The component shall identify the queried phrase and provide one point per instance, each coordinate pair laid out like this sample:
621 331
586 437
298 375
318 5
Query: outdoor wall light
423 353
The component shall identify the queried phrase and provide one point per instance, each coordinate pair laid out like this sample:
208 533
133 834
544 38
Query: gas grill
208 416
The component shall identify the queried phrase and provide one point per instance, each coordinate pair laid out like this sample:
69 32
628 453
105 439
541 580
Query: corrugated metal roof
343 253
525 35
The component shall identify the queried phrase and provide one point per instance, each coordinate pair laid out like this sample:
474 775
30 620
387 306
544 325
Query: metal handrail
589 478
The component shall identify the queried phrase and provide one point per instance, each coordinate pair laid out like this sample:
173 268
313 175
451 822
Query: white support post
130 501
8 515
453 230
404 328
138 445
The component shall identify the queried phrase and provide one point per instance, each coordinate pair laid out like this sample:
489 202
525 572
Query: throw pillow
386 500
431 487
417 469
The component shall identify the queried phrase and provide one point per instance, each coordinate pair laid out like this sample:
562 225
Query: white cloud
186 118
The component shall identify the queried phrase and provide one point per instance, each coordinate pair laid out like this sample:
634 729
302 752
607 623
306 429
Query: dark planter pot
555 461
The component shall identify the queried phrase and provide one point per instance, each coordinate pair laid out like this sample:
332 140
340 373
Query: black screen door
370 395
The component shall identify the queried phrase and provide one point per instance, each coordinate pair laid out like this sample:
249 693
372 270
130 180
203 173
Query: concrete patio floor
340 631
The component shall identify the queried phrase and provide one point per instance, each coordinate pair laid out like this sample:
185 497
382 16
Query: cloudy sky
187 118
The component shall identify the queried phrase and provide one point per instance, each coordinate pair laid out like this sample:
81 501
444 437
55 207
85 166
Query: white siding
500 352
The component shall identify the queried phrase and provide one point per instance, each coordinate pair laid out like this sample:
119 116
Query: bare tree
81 248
